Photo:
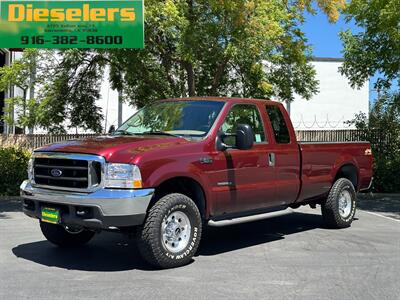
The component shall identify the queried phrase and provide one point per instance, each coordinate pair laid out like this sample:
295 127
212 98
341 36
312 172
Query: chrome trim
369 186
111 202
76 156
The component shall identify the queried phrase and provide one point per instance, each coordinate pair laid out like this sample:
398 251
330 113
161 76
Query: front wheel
171 233
339 208
65 236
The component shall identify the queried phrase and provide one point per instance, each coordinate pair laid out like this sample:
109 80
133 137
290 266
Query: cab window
279 125
243 114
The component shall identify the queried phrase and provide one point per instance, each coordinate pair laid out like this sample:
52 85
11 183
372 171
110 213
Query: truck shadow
224 239
109 252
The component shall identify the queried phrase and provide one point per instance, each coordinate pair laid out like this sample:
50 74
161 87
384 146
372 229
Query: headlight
30 169
123 176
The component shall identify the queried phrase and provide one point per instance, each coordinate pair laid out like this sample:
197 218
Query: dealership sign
71 24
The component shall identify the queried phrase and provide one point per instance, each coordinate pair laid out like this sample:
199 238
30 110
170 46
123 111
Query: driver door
243 181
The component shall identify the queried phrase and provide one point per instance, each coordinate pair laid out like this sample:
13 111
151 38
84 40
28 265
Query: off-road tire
57 235
330 208
150 242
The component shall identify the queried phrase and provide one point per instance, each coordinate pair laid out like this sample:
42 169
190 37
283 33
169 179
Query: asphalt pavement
290 255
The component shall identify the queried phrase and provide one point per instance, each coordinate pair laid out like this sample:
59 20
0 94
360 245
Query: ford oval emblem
56 172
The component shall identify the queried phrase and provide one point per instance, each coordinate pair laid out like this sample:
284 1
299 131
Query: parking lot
290 255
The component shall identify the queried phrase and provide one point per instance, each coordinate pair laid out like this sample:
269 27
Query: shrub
382 129
13 168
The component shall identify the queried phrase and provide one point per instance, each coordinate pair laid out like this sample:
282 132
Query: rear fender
342 161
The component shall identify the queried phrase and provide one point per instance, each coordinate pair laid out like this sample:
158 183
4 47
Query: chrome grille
76 172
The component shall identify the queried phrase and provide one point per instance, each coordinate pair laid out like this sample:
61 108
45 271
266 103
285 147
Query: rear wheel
65 236
171 233
339 208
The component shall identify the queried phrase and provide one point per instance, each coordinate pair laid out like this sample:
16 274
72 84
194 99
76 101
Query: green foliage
382 129
18 74
247 48
376 48
13 166
234 48
67 84
71 91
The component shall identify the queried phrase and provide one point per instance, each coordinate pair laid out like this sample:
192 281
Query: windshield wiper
156 132
121 132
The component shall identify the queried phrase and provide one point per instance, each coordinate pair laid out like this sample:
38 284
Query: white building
4 59
336 102
109 105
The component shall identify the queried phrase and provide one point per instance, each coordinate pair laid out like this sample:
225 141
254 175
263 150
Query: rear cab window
278 124
243 114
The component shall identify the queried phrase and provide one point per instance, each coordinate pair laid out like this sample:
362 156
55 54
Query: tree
67 86
235 48
376 48
382 128
18 74
247 48
70 91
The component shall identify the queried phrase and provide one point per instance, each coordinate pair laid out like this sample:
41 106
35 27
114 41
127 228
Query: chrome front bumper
106 207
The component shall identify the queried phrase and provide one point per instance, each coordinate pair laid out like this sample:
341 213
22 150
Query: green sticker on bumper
50 215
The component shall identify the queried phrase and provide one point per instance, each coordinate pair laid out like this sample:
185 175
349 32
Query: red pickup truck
178 164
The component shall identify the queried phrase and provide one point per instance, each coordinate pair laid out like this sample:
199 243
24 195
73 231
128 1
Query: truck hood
116 148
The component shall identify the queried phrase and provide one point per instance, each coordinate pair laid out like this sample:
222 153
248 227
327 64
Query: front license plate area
50 215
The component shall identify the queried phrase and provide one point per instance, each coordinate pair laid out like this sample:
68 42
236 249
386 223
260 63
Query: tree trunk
24 108
190 79
218 76
188 66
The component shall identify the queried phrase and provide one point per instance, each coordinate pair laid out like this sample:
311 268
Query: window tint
279 125
243 114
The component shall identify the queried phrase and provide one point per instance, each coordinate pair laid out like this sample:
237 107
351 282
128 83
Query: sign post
71 24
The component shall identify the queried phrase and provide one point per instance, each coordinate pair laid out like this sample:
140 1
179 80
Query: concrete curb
10 198
377 196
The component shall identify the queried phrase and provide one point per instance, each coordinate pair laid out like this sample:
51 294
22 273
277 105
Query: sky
324 38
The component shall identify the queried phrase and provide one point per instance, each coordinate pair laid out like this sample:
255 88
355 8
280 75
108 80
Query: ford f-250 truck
180 163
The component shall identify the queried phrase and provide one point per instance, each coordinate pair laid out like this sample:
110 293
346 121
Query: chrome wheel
345 204
176 231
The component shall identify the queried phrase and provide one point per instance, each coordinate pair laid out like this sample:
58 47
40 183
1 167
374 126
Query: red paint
302 171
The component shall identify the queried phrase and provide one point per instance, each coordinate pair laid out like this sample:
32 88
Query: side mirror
244 137
111 130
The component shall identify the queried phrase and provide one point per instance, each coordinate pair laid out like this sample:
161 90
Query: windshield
191 119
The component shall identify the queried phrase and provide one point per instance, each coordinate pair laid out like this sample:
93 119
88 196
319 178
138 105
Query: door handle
271 159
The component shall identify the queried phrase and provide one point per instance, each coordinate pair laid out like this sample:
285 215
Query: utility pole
106 118
119 108
32 88
288 107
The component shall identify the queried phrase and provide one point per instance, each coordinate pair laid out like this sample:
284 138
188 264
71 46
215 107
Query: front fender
155 173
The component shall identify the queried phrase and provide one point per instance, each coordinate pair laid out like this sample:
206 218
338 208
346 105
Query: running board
232 219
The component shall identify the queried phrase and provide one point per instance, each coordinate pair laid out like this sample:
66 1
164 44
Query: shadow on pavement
107 252
114 252
229 238
387 204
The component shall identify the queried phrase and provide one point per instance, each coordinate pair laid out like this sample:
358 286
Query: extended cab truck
178 164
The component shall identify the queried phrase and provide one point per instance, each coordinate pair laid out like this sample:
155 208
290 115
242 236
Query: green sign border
92 24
